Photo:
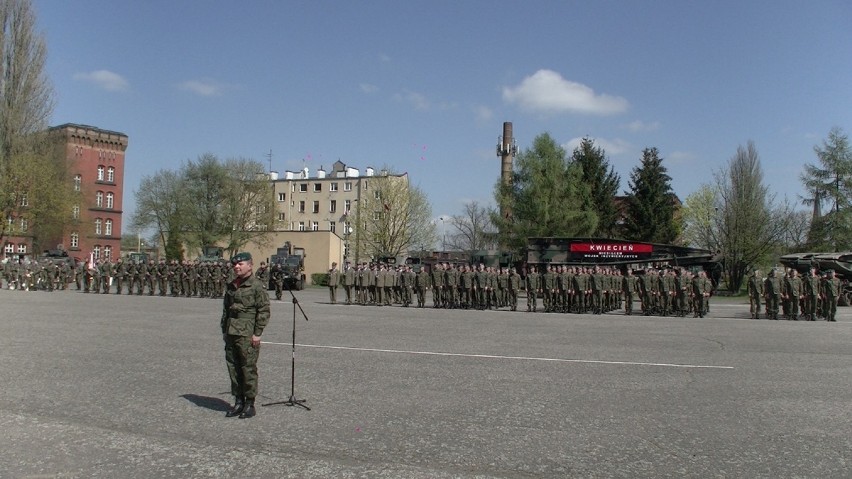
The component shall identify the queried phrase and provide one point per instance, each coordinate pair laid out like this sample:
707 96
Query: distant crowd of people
206 279
550 289
561 289
814 296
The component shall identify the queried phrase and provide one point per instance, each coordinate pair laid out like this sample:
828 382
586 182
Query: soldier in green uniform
772 290
333 281
533 287
422 282
349 280
831 291
755 293
628 286
794 293
245 314
438 286
810 292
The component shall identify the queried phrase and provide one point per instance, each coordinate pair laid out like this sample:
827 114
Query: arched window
98 226
110 200
78 182
99 199
101 171
75 240
107 229
111 174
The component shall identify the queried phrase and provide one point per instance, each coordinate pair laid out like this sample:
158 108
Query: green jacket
245 309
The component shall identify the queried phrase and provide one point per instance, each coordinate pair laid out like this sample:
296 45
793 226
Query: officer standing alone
244 316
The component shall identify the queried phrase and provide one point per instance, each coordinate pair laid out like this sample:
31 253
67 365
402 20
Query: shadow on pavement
216 404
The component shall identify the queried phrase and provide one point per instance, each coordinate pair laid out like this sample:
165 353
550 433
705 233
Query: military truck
615 252
211 253
290 261
841 263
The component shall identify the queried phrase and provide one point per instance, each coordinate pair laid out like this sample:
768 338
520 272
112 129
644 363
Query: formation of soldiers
562 289
32 275
808 298
204 279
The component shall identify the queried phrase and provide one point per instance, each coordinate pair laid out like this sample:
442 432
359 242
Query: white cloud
638 125
610 147
680 157
417 100
368 88
547 92
483 114
384 58
105 79
205 87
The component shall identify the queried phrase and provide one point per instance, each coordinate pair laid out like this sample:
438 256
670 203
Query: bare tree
393 218
26 103
249 208
473 229
160 205
700 210
749 224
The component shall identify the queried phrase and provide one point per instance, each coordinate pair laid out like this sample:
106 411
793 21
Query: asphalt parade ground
106 386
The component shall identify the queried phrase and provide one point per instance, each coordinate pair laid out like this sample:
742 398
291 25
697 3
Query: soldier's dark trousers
241 358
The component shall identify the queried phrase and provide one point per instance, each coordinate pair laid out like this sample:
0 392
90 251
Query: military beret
244 256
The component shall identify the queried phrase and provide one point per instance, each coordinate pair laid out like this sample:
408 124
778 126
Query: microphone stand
292 401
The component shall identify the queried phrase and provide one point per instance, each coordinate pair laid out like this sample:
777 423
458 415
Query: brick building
95 159
96 164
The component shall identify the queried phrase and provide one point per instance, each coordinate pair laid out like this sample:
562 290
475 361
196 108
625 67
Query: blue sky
425 87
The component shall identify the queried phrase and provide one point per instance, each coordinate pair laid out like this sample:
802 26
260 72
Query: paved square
136 387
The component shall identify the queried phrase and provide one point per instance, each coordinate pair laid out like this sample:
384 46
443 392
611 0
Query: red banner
610 248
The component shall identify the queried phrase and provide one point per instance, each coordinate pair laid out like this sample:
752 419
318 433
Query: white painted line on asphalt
521 358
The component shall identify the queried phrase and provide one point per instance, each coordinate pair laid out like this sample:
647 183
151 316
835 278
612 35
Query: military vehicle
616 252
211 253
290 261
841 263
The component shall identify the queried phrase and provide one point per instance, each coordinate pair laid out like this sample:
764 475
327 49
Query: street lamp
443 235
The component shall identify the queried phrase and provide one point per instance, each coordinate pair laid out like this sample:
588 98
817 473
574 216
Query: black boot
237 409
248 411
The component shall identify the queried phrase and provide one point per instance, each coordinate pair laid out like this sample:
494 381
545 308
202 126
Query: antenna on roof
269 157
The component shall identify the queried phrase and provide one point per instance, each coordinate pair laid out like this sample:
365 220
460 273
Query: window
301 226
332 226
107 252
99 223
316 207
332 206
101 170
75 212
108 227
317 187
110 200
377 215
365 185
75 240
347 206
22 248
332 187
111 174
314 226
282 217
282 196
293 187
301 207
78 181
377 195
25 201
347 186
96 251
24 224
99 199
9 248
303 187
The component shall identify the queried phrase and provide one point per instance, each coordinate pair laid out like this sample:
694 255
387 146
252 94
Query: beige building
320 214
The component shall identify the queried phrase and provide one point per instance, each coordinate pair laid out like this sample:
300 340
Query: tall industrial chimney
506 150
